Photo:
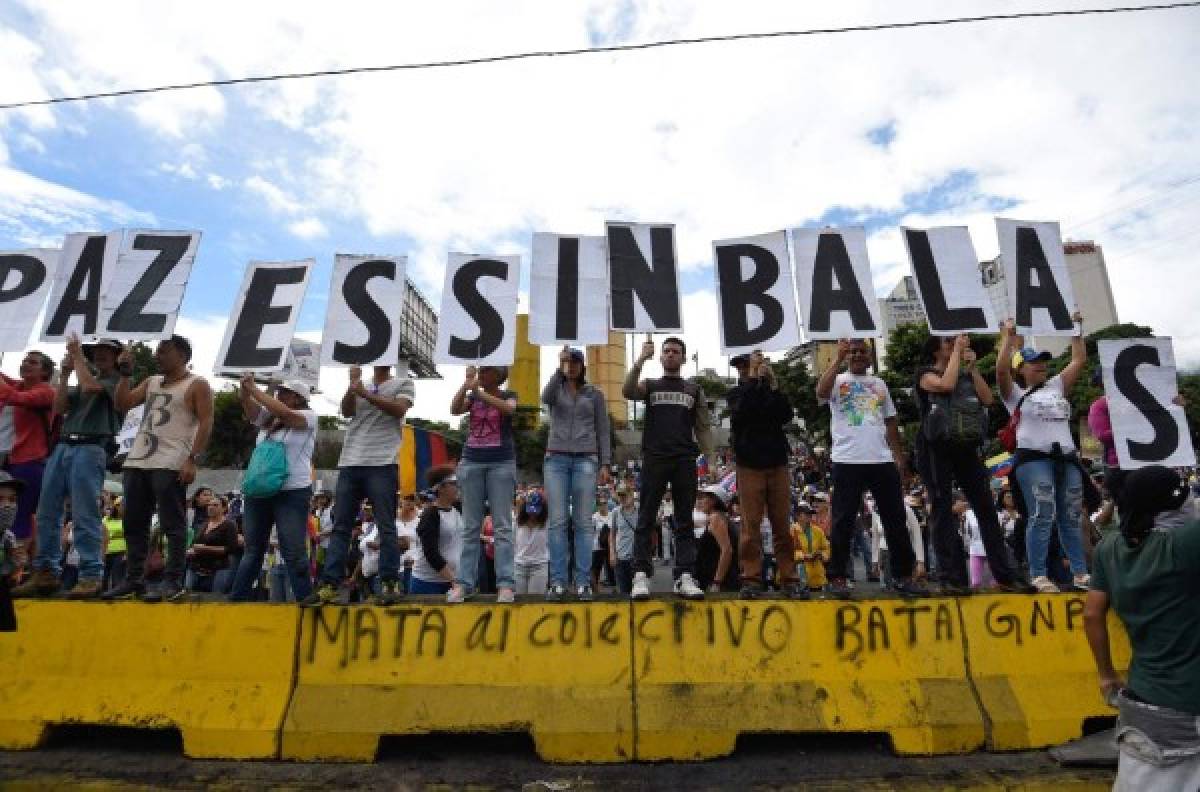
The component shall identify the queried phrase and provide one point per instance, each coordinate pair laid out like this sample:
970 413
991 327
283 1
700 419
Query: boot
42 583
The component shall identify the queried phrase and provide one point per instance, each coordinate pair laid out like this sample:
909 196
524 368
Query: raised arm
634 388
1004 360
1070 373
349 404
933 383
458 405
825 384
290 418
127 397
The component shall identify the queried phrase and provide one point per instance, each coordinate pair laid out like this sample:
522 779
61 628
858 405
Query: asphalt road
109 759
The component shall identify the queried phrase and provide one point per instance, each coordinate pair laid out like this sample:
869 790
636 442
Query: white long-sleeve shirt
878 540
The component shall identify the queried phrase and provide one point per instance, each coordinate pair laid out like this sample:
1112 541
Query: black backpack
956 418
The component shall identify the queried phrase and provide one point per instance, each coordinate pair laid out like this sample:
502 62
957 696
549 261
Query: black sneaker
1017 586
345 594
555 593
125 591
750 591
954 590
389 593
795 591
840 588
908 587
584 593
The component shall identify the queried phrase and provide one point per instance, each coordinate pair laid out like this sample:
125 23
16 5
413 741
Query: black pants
883 481
680 473
147 491
942 468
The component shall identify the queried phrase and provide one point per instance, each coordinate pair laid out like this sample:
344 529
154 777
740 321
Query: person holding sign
676 430
76 468
578 452
176 425
867 455
953 399
367 468
28 403
284 418
1046 464
487 475
1149 573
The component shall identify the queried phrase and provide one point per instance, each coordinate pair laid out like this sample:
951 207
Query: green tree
796 382
143 361
531 446
330 422
1189 388
233 437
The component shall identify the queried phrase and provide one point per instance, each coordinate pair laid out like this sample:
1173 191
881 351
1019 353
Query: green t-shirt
93 413
1155 590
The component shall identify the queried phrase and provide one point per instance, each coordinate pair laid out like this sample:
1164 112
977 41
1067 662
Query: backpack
957 418
1008 435
267 470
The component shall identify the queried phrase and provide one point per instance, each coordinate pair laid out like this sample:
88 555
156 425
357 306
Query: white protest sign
755 294
1141 386
141 297
86 264
1035 270
263 320
833 283
568 290
362 323
946 272
25 280
478 322
643 278
129 430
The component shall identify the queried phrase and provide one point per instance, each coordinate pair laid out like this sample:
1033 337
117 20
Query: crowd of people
755 516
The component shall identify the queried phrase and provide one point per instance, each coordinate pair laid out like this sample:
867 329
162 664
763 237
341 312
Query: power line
598 50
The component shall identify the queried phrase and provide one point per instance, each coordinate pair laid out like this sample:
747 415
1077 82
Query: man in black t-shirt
676 429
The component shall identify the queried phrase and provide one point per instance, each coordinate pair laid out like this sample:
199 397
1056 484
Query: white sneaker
1083 582
641 587
1044 585
686 587
455 595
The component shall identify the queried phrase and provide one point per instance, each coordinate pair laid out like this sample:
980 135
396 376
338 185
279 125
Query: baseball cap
1029 355
576 354
534 502
737 361
110 343
297 387
719 492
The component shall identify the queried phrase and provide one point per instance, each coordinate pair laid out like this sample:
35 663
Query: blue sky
932 127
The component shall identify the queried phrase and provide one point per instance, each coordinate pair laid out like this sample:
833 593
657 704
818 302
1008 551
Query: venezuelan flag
419 450
1000 465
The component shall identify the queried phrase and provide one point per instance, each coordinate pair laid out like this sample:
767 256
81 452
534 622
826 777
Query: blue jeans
75 471
287 511
424 588
571 497
378 484
493 483
1051 504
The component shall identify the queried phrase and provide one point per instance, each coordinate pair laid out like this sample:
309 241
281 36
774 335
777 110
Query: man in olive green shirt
76 468
1149 572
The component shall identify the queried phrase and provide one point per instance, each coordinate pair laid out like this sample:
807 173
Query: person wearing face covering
1149 573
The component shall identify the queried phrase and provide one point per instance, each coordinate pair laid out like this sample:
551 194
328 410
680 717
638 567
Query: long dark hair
930 348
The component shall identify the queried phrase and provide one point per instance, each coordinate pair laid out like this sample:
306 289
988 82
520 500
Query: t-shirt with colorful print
860 407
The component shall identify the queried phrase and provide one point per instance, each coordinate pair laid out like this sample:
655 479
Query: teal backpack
267 471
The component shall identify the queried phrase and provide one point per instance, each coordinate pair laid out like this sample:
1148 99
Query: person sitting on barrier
1149 573
284 418
441 534
867 455
488 475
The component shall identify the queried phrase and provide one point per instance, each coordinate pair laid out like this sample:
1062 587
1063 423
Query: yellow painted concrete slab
706 671
1031 664
558 671
221 674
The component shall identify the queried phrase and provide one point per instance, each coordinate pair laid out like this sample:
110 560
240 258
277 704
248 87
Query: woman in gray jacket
578 452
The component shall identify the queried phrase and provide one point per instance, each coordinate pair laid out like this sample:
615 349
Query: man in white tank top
174 433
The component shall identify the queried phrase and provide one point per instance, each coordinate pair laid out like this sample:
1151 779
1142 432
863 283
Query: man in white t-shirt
367 469
406 535
867 455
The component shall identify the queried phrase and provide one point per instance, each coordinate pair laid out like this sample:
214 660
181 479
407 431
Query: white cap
297 387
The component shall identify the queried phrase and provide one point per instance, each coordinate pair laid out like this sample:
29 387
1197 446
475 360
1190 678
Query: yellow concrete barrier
1029 660
706 671
220 674
558 671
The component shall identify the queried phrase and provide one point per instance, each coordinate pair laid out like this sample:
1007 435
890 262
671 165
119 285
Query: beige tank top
164 438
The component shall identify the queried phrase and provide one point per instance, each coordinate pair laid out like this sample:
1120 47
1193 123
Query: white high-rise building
902 306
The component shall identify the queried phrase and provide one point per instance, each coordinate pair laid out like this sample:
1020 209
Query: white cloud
308 228
1067 118
184 171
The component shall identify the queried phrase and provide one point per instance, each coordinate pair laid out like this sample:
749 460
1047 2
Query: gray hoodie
579 423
